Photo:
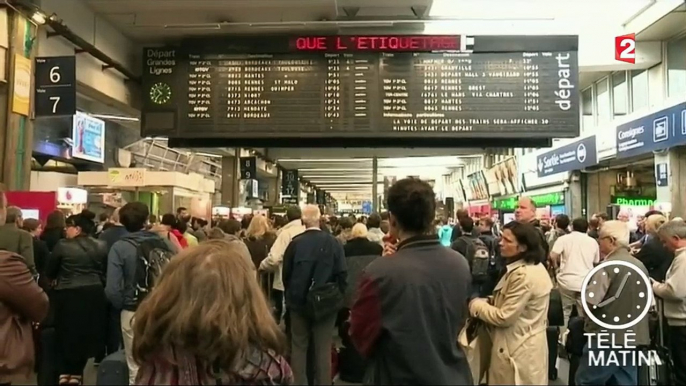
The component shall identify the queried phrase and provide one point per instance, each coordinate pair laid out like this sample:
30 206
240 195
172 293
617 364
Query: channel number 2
55 78
625 48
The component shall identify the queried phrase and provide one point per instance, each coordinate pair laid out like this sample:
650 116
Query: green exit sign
557 198
548 199
509 203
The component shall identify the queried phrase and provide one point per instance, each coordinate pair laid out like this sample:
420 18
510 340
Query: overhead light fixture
115 117
324 159
208 155
39 17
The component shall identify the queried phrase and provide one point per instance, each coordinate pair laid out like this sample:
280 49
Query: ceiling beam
319 153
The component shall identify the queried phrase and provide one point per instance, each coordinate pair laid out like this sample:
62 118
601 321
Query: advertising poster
88 137
21 98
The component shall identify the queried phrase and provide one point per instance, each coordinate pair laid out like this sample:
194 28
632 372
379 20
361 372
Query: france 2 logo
625 48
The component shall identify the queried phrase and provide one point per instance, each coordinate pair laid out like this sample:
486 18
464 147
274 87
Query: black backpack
479 257
153 254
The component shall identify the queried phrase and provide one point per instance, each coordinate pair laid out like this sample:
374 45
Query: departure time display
364 87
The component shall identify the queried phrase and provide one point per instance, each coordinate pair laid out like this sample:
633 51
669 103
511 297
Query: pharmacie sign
633 201
557 198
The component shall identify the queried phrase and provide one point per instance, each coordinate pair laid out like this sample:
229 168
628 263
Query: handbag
323 301
555 315
476 342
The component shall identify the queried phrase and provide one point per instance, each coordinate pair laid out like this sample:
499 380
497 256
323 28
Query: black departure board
328 87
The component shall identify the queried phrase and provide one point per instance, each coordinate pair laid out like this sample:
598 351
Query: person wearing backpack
477 253
134 262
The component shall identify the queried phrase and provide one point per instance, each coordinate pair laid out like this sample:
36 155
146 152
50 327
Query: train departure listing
316 90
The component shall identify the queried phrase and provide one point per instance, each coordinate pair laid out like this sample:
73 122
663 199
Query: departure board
381 87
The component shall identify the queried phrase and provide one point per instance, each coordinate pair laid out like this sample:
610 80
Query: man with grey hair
313 263
115 232
274 260
16 240
611 296
673 293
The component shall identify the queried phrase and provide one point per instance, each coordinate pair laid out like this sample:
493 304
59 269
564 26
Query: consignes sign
661 130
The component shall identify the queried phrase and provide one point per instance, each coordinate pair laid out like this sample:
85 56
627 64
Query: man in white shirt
575 254
274 260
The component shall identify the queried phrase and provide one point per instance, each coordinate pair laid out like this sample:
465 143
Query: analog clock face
628 275
160 93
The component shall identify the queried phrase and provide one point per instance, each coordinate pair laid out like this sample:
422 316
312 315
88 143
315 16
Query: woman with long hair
77 267
259 239
207 323
40 249
54 229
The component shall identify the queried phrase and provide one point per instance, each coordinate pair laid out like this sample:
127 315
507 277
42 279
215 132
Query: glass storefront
676 67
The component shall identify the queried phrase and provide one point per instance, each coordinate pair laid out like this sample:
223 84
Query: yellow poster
21 99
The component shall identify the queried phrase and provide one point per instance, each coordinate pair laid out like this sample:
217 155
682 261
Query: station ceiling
343 171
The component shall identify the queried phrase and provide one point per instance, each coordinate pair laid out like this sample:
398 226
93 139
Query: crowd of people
258 301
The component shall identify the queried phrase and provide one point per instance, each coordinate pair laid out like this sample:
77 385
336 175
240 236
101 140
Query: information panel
364 87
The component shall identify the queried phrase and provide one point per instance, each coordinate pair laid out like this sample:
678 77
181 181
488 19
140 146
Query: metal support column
375 185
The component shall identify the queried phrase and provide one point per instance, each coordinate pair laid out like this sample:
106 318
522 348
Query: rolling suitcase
574 346
659 369
113 370
552 334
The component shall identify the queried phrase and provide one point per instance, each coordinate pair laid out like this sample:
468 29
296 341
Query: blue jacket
121 271
312 256
445 234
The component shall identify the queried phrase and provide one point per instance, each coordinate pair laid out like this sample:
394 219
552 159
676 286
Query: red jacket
179 236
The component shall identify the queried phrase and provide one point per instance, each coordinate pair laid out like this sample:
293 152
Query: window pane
620 93
676 67
639 89
587 109
603 100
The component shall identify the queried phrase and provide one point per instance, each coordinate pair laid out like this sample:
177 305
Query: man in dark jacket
110 234
526 213
457 229
16 240
411 304
121 270
312 259
114 232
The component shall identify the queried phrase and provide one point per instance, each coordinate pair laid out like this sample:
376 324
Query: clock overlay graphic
160 93
630 275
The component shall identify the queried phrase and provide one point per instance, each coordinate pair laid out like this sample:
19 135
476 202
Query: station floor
90 375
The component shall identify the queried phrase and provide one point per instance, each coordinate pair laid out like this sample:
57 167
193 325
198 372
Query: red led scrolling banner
385 43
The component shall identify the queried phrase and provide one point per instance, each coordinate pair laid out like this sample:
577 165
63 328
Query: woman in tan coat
517 312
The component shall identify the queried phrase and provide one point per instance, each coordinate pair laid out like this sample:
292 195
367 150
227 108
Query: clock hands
606 301
617 293
622 284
